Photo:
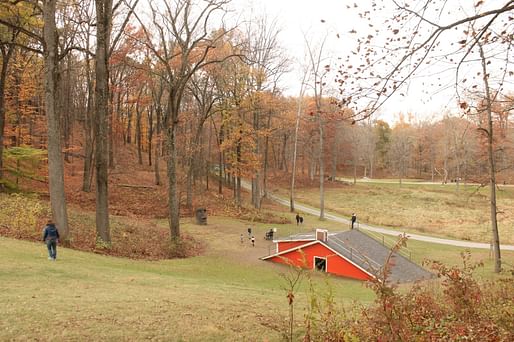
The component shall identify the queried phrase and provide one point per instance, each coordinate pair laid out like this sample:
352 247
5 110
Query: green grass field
225 294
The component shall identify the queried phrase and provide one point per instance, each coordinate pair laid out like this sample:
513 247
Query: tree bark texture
173 195
7 51
55 161
103 14
88 130
492 167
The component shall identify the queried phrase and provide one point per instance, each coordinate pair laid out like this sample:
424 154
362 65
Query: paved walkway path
337 218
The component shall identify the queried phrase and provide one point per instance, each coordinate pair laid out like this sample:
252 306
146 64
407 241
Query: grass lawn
225 294
433 209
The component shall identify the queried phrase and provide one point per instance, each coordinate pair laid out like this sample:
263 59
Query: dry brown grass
431 209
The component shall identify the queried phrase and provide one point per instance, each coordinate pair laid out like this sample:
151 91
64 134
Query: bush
19 214
184 247
463 309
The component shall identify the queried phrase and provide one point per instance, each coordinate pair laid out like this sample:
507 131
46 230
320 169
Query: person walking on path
297 219
51 237
242 238
253 241
354 219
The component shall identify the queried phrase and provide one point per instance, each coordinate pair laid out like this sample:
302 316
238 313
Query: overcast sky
299 18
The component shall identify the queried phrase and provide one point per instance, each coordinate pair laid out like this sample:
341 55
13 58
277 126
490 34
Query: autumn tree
400 150
319 72
181 42
204 92
267 63
299 112
104 47
55 159
16 20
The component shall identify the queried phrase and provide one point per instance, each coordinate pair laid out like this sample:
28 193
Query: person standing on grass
354 219
297 219
51 237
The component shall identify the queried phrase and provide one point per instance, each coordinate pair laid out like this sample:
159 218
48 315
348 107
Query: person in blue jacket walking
51 237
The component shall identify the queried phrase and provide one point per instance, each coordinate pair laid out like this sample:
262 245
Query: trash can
201 216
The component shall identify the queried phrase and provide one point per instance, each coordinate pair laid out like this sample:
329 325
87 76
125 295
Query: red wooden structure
315 253
352 254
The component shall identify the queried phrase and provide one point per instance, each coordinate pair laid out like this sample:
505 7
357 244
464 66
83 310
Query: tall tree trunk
88 128
150 135
208 159
492 167
265 166
110 121
158 145
371 163
66 111
335 155
129 123
103 15
220 162
237 183
256 180
138 132
173 194
7 51
295 144
354 170
55 161
321 171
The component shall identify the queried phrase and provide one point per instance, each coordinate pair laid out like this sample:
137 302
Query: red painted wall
335 263
285 245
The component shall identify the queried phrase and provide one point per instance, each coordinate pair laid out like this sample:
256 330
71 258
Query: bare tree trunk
55 161
65 110
354 170
371 163
492 167
321 171
138 130
129 123
295 145
158 144
237 183
7 51
220 161
88 130
150 135
158 147
335 155
190 164
173 195
208 159
256 181
110 120
103 14
265 166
